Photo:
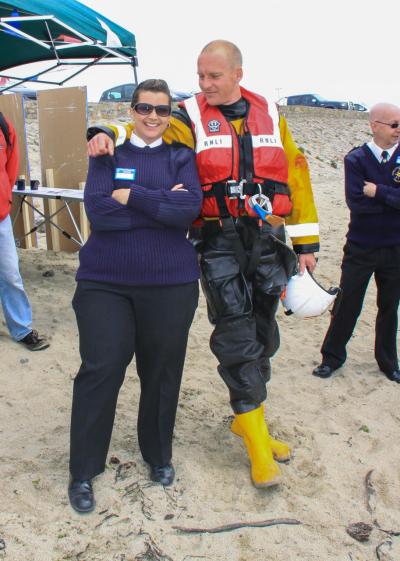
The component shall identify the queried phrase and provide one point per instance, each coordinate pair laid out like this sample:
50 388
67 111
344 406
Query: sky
340 49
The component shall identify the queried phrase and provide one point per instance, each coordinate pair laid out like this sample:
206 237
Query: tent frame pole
55 49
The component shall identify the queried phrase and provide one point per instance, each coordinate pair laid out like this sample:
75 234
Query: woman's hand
121 195
178 187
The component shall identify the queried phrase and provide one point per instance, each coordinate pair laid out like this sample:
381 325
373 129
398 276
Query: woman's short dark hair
152 85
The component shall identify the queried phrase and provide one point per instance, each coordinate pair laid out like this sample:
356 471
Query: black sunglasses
147 108
391 125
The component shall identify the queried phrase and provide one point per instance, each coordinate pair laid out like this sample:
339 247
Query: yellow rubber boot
265 471
280 450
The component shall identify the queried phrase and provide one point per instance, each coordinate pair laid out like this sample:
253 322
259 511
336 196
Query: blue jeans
16 307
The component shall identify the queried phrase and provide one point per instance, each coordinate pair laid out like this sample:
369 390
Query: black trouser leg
106 326
277 264
235 340
357 268
164 316
267 329
234 343
387 277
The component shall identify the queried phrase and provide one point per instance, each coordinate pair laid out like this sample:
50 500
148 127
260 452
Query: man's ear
239 74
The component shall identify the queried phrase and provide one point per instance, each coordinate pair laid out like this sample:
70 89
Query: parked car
180 96
27 93
124 92
359 107
315 100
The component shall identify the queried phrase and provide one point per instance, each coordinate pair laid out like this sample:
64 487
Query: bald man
372 183
244 150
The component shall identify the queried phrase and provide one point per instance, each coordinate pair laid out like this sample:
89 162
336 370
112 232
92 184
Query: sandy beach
340 429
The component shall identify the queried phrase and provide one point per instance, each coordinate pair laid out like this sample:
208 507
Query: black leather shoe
162 474
323 371
81 496
393 376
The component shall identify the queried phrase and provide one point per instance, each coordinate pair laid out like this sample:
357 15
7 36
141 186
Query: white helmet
306 298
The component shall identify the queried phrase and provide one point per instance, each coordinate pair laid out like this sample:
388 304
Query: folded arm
176 207
138 206
103 211
388 195
354 181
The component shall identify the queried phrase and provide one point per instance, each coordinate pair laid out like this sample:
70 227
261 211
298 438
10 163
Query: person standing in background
16 307
372 185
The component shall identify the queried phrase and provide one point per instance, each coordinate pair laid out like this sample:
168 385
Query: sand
340 429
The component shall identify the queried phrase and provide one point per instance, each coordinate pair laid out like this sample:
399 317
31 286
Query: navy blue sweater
143 243
374 221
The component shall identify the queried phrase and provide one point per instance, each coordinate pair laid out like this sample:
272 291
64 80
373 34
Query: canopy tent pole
66 33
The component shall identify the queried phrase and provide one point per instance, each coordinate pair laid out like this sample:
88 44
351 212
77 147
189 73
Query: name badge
398 160
126 174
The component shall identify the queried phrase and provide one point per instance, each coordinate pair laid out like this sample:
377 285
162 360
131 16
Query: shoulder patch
354 148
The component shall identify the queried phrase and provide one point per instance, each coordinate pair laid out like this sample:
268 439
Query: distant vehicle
359 107
27 93
124 92
315 100
180 96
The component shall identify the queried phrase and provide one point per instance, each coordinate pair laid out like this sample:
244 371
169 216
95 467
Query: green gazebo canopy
64 32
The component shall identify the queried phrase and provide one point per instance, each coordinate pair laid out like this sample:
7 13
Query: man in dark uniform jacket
372 183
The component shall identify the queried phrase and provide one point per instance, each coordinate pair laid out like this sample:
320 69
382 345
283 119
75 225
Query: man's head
219 67
383 117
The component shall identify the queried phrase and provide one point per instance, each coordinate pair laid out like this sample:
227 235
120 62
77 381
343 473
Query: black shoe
81 495
162 474
33 342
323 371
393 376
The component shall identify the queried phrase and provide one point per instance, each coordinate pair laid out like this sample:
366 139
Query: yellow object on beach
252 428
280 450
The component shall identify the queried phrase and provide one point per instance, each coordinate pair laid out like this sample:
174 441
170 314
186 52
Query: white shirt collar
377 150
139 143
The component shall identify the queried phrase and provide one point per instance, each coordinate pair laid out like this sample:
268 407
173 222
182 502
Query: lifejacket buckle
234 189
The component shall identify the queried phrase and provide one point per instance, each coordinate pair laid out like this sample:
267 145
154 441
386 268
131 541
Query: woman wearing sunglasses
137 291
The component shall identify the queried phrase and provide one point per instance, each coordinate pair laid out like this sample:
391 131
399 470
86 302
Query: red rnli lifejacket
217 148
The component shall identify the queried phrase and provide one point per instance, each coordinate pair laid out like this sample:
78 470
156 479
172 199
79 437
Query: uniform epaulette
352 150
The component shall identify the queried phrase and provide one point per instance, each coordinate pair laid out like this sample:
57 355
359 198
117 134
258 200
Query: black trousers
242 306
358 265
115 322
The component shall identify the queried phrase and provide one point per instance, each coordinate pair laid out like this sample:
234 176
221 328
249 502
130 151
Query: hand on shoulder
100 145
